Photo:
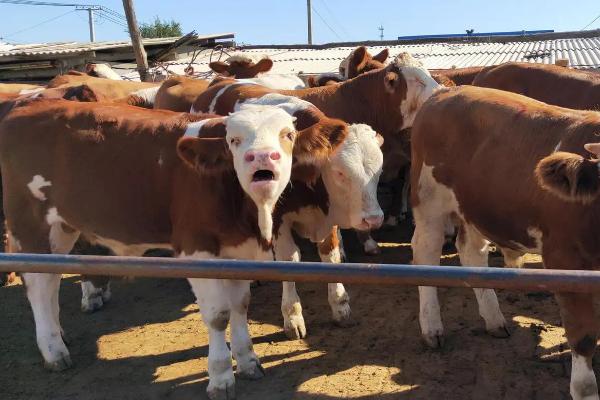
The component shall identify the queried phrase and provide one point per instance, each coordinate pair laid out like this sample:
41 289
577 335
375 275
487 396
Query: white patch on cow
161 161
37 183
148 95
351 176
583 379
276 81
419 87
213 103
61 241
105 71
193 128
371 247
33 92
536 236
289 104
124 249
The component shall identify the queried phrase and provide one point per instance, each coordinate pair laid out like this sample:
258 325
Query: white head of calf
261 140
351 177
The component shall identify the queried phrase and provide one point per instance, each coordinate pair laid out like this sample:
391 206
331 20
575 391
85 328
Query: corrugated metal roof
64 48
581 52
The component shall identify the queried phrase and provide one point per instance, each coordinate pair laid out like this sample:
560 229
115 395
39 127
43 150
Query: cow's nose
373 221
262 156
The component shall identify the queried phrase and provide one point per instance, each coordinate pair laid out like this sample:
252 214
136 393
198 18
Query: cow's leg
370 246
43 289
339 300
581 328
291 309
213 300
95 292
427 242
473 251
248 365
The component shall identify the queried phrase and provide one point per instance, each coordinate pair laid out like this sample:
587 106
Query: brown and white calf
335 187
500 172
242 66
204 187
551 84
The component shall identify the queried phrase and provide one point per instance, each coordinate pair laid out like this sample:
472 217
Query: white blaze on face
261 140
419 87
345 64
351 177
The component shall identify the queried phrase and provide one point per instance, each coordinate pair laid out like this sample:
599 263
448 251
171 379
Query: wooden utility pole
309 16
136 40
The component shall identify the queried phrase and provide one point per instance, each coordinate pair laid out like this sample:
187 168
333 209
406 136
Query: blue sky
284 21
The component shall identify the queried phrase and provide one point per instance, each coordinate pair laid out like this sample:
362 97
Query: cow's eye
234 141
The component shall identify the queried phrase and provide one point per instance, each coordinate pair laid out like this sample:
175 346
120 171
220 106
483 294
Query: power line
38 24
326 24
102 14
594 20
332 14
43 3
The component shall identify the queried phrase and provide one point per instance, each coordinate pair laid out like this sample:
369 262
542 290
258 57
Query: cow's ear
219 67
315 143
569 176
207 156
382 56
357 61
264 65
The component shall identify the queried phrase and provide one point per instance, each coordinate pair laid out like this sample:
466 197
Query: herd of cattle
233 168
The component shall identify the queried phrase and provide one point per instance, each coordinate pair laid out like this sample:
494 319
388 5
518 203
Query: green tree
159 29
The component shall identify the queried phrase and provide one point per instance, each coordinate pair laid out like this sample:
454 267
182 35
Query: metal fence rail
387 274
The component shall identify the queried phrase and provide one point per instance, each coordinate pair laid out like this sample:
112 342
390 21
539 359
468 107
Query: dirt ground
149 343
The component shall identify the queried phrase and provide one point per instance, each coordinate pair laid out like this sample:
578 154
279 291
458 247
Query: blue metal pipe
384 274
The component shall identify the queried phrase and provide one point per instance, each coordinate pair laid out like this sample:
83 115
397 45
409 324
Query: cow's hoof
295 328
92 303
252 372
499 332
342 314
59 365
372 248
224 391
434 340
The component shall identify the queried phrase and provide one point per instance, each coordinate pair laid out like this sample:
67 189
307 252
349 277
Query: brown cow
551 84
178 93
500 173
19 88
204 187
241 66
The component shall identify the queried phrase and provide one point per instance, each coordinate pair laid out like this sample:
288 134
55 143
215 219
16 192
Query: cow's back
551 84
